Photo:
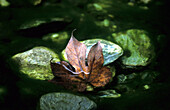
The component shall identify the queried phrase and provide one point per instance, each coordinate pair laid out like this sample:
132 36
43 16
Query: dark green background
13 40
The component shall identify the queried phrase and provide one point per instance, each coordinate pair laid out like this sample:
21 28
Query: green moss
35 63
137 45
4 3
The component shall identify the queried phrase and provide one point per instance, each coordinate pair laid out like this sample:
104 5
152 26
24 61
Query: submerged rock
35 63
37 22
59 38
111 51
134 81
109 94
4 3
145 77
137 46
65 101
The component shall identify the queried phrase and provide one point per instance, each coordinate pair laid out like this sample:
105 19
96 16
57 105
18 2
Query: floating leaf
76 54
79 73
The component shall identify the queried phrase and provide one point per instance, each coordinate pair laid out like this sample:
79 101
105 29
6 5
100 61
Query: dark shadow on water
43 29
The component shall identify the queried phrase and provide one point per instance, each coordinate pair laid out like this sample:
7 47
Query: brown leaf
99 75
95 60
72 84
61 68
76 54
77 75
95 57
64 75
102 78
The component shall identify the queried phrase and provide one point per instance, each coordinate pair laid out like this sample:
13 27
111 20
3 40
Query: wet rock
4 3
35 2
109 94
31 24
145 77
95 7
39 21
25 3
65 101
148 77
38 25
34 27
35 63
111 51
99 9
60 38
134 81
137 46
108 24
122 79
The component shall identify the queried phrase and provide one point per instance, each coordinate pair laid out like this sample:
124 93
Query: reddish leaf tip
98 45
99 42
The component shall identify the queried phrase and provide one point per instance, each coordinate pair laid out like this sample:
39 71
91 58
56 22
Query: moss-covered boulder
65 101
35 63
137 46
111 51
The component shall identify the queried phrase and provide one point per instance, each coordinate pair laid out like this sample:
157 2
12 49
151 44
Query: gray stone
111 51
65 101
35 63
137 46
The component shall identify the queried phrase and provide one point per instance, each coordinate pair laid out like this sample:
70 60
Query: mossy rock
137 46
35 63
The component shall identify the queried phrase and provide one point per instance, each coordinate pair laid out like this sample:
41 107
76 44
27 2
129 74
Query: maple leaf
79 73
